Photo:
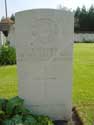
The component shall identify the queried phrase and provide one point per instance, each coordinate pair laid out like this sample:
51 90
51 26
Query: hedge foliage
7 55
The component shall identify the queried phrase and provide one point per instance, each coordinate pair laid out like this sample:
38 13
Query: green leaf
3 104
44 120
22 110
2 112
17 120
8 122
12 103
29 120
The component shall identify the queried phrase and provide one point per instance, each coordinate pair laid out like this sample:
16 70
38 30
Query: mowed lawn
83 81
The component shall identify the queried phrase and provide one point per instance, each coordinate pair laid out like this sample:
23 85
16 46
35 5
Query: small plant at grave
13 112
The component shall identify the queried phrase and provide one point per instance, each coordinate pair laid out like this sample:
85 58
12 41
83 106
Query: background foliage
7 55
84 19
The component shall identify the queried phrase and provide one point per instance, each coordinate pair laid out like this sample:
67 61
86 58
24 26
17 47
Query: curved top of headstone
45 10
45 24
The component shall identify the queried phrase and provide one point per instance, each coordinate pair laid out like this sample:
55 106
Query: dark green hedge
7 55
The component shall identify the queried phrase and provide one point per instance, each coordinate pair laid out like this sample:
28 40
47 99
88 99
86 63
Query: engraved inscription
38 54
44 31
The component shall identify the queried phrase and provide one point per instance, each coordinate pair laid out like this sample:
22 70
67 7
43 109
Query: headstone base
60 122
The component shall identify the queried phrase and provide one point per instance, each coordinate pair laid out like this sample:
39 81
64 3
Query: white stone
2 39
82 37
11 36
44 39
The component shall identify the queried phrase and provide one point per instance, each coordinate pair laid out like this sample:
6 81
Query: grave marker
44 39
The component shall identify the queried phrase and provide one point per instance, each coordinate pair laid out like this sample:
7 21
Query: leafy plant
7 55
13 112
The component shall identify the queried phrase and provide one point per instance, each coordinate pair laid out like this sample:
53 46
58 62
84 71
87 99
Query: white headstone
44 39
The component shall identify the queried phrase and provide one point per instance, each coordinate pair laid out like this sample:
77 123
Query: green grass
83 81
8 81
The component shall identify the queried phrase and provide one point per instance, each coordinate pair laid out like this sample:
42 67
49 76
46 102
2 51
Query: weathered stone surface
44 39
